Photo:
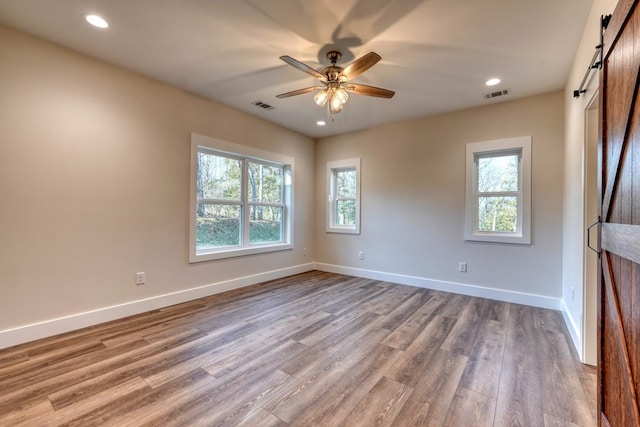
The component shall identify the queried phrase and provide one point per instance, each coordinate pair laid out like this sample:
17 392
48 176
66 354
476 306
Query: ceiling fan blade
303 67
360 65
299 92
369 90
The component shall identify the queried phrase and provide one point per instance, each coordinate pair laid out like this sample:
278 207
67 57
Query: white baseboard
26 333
572 326
457 288
48 328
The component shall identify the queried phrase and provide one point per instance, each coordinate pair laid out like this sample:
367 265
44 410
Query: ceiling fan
336 80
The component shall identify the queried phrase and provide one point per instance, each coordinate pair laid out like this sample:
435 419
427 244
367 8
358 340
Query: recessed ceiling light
321 123
96 20
492 82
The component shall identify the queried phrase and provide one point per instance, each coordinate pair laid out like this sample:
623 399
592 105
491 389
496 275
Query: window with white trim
498 191
240 200
343 199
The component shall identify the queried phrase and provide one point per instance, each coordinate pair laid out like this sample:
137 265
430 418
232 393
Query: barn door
619 187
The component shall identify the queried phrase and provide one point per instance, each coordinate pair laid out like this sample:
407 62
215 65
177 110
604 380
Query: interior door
619 189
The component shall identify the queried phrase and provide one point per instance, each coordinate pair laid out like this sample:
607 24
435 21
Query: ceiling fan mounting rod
334 57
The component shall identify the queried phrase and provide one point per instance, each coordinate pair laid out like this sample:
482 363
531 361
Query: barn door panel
619 186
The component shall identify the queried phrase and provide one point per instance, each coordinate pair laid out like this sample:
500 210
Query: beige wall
94 184
94 187
574 152
413 184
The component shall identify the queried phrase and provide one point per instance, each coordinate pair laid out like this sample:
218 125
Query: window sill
343 230
213 254
516 239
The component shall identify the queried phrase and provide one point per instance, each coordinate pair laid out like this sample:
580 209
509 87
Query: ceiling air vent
263 105
497 94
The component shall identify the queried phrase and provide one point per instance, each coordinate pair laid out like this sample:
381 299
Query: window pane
265 224
345 212
218 177
346 183
217 226
265 183
497 214
498 173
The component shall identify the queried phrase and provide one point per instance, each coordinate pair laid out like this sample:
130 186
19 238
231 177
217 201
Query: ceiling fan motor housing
332 72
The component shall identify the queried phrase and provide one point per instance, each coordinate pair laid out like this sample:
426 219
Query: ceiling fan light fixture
335 106
341 94
335 94
321 98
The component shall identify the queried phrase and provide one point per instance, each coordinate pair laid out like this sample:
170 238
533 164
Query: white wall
413 191
573 219
94 187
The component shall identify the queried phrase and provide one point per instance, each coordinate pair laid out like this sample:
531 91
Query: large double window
498 200
241 200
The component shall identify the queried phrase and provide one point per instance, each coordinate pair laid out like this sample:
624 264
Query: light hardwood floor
316 349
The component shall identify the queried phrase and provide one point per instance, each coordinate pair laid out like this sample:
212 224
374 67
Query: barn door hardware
589 237
596 60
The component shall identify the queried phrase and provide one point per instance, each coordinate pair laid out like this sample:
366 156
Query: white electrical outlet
462 267
304 252
360 255
573 293
140 278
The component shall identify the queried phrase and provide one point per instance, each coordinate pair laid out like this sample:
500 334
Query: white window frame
332 168
232 150
522 146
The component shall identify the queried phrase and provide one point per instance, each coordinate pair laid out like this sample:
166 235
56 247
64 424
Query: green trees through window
346 197
232 192
219 201
498 192
264 188
343 201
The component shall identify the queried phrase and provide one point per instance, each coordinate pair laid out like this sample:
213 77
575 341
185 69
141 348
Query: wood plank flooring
316 349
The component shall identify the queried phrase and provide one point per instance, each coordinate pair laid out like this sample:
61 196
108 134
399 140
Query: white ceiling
436 54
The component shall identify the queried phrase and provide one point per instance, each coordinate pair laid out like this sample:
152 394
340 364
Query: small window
343 201
498 191
241 200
